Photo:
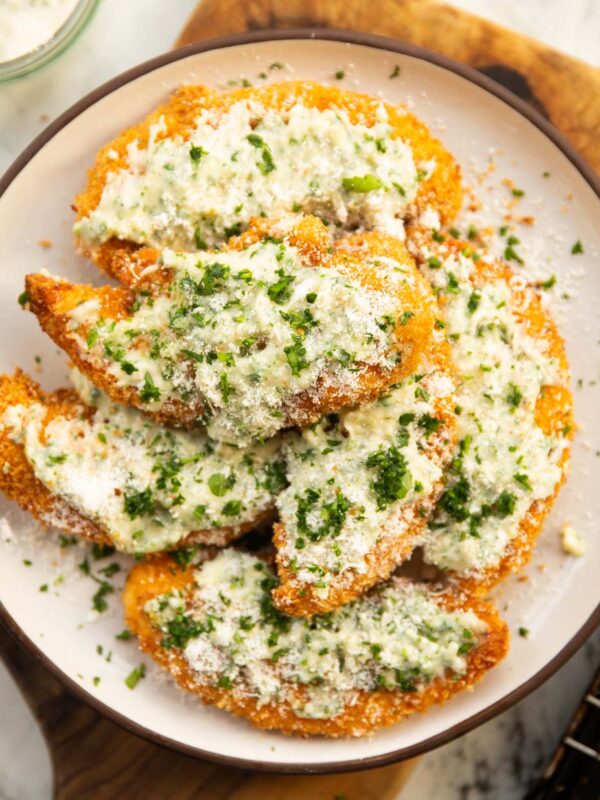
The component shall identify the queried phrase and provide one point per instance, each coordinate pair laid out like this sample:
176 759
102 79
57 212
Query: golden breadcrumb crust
299 598
17 478
19 483
52 300
441 191
372 710
554 407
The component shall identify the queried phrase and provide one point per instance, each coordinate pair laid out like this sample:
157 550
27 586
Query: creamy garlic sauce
239 333
26 25
232 637
362 476
146 486
505 462
254 161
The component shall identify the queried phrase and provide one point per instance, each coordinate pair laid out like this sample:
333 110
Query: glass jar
48 50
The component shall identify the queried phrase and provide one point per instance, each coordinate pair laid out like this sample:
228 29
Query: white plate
557 605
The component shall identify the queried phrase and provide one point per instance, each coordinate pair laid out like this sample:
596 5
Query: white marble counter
498 760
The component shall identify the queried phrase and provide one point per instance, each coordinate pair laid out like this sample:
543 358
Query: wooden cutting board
565 90
95 758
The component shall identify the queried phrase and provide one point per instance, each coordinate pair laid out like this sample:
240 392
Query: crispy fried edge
297 598
20 483
372 710
553 412
17 478
442 190
52 299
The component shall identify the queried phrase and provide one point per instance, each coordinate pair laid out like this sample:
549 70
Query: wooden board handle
565 89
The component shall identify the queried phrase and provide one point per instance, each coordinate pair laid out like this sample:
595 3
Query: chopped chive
135 676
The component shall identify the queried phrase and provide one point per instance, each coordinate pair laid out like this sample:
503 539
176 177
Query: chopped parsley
523 480
333 515
295 354
220 484
266 164
505 504
181 629
454 500
232 508
139 504
577 248
302 321
280 291
213 279
196 152
99 599
232 230
473 303
514 396
225 388
100 551
429 424
276 478
392 479
149 392
510 254
185 556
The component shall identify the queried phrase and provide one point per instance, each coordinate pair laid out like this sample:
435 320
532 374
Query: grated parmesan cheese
146 486
232 637
572 541
505 462
364 476
238 334
252 161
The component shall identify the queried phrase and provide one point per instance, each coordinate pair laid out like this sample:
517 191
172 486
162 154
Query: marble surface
498 760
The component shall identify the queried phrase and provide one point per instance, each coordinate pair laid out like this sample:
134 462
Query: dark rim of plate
523 108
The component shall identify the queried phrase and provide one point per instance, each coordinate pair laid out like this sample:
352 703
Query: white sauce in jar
26 25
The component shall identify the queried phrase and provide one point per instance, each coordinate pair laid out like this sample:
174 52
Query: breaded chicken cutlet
362 487
109 474
362 667
202 165
276 330
515 418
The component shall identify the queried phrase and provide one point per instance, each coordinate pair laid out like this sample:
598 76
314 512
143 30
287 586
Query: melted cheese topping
360 477
232 637
237 334
146 486
251 161
505 462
